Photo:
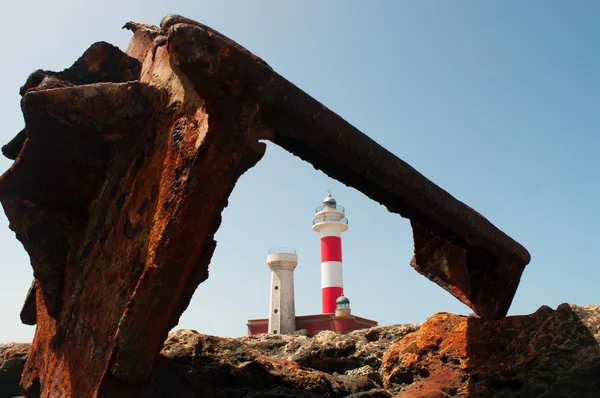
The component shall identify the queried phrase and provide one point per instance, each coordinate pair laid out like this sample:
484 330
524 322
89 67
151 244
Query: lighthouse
330 221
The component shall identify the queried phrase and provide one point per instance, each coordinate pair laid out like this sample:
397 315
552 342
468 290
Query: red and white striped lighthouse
330 222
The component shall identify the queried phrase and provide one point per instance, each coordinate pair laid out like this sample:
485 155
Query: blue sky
496 102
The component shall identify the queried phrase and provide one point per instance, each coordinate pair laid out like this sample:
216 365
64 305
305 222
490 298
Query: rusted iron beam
122 171
219 68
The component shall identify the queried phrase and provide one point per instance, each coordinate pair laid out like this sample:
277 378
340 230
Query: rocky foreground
550 353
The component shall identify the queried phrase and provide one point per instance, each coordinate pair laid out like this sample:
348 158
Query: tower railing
330 207
282 249
330 219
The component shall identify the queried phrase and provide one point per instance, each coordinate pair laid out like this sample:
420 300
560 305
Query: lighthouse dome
329 201
342 302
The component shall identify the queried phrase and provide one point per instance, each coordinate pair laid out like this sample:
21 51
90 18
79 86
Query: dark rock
376 393
548 353
12 362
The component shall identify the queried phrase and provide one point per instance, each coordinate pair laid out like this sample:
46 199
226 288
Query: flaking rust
125 165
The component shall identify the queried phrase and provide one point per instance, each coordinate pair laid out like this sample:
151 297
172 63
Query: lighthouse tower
330 222
282 311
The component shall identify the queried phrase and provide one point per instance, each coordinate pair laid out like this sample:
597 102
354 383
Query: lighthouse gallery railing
330 219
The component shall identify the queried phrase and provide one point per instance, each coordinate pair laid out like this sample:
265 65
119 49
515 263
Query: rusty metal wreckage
123 154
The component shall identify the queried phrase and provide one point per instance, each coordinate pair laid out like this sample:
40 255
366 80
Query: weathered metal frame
158 139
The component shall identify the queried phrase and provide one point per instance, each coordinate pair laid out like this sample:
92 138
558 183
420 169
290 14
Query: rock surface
123 169
550 353
12 362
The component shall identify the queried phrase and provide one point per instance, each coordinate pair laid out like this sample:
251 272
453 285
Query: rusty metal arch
125 165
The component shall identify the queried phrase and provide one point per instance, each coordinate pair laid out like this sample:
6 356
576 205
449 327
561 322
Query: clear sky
496 102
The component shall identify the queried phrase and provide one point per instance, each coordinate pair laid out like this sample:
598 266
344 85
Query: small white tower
282 312
342 306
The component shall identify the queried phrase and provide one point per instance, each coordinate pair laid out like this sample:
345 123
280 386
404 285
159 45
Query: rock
365 371
231 366
12 362
250 366
120 176
328 351
375 393
548 353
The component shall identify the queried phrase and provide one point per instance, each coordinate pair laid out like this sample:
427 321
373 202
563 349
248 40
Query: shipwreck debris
125 153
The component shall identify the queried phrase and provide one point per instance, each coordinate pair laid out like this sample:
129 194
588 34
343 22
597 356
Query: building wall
258 326
348 324
316 323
